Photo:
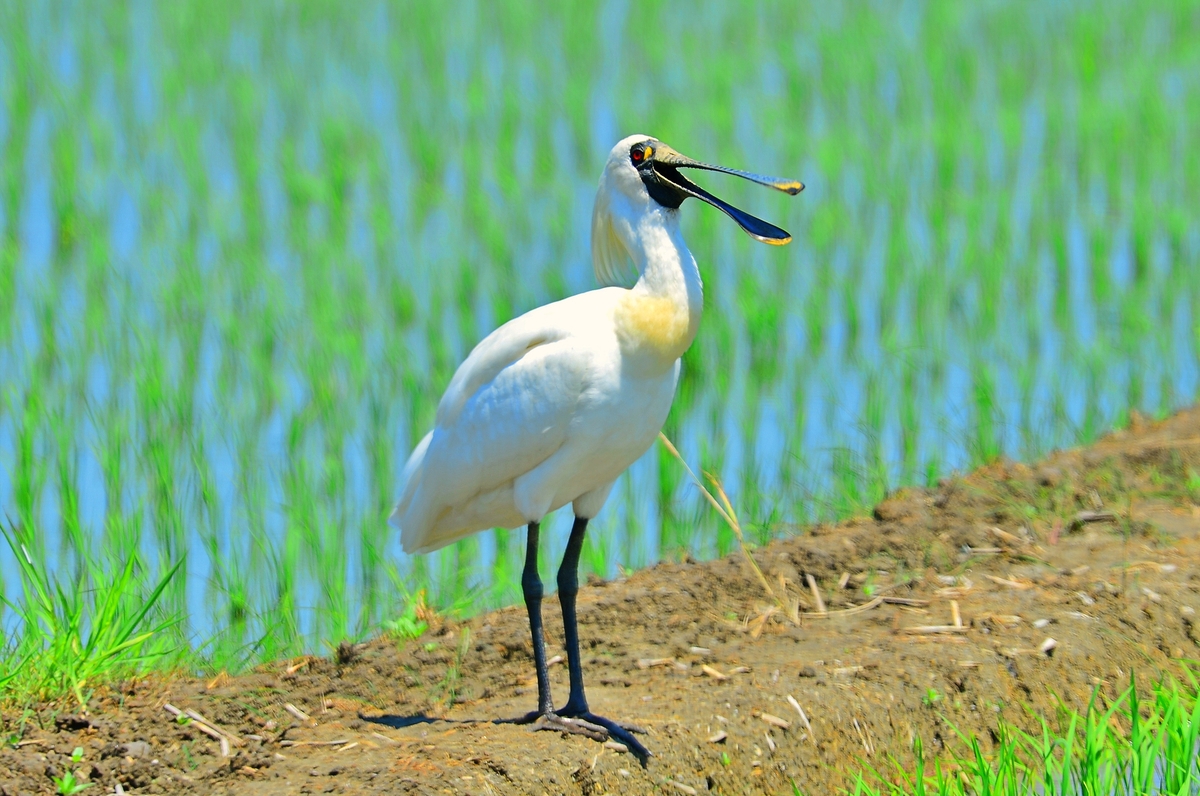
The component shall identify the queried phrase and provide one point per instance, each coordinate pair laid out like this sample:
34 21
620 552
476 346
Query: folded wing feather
507 409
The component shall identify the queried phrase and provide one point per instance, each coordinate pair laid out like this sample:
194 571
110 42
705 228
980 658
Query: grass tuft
78 635
1131 747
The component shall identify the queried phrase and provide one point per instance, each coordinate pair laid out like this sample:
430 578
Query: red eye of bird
637 155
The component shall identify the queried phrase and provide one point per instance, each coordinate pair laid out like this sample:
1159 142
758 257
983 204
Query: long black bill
667 162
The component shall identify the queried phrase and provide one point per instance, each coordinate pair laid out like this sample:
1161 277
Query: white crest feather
610 260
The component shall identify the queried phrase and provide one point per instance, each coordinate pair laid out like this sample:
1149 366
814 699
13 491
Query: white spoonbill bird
551 407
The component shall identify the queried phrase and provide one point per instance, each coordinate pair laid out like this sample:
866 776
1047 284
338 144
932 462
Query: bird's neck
661 314
667 268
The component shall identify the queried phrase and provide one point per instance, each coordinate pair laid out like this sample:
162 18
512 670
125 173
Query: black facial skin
660 190
658 165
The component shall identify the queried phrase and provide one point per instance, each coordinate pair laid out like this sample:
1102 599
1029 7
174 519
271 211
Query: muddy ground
1066 574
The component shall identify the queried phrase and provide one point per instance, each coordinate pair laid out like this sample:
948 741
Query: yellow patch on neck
654 324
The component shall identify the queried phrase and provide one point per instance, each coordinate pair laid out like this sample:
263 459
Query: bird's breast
655 325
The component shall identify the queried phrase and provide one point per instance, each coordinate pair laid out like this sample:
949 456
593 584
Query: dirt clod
71 722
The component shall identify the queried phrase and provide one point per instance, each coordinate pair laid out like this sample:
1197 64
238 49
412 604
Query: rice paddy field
243 247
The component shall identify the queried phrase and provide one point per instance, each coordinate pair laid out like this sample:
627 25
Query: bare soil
1065 575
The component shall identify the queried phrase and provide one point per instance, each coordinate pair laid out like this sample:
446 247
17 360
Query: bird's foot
589 725
619 731
573 726
570 712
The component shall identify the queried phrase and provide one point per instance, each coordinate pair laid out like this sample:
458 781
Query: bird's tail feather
411 514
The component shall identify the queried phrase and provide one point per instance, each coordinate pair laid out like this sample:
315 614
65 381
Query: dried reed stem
728 514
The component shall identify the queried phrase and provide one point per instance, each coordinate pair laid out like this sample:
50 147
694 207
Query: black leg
568 587
531 587
575 717
577 706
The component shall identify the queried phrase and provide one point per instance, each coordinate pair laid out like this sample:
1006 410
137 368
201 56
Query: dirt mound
996 594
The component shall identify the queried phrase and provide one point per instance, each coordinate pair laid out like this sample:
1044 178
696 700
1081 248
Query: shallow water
246 254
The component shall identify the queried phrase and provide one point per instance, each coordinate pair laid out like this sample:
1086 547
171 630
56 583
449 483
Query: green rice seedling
987 442
761 313
227 598
848 497
909 426
877 474
30 471
8 293
74 542
505 587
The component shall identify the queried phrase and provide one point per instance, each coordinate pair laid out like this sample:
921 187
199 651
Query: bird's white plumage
551 407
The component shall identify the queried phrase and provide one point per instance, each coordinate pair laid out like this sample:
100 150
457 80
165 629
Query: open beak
666 163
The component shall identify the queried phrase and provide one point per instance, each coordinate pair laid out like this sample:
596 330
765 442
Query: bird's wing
493 354
509 407
510 425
